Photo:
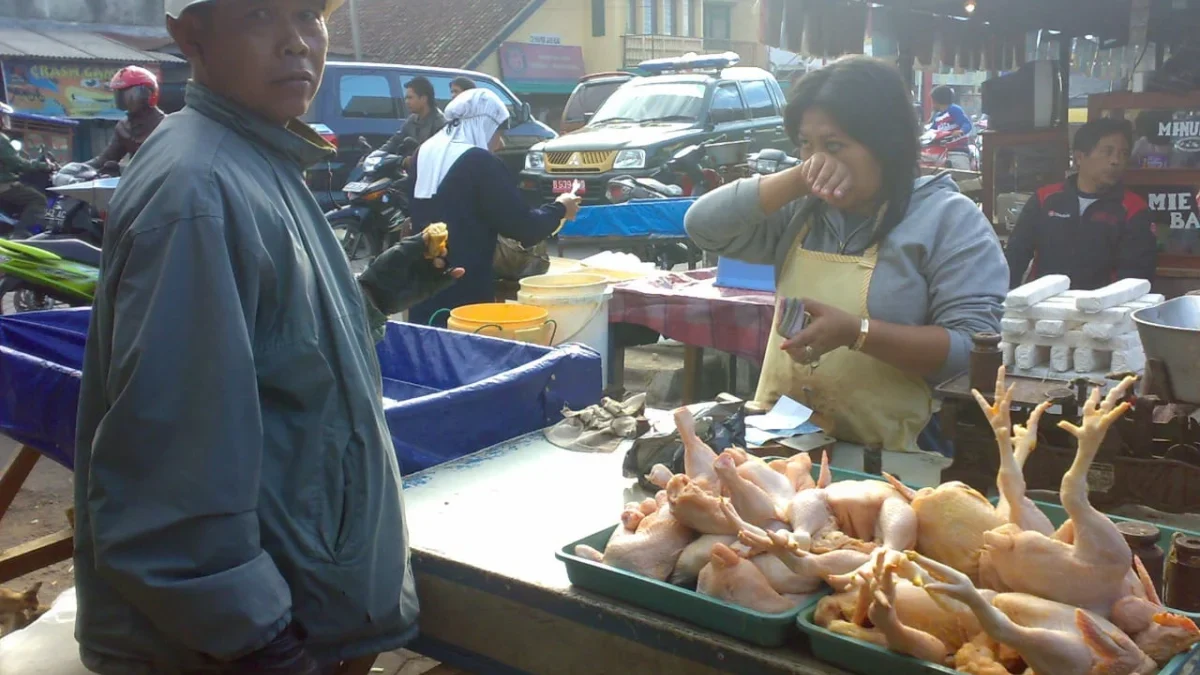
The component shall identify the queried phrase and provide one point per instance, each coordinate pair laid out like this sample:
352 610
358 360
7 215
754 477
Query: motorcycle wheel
355 243
25 299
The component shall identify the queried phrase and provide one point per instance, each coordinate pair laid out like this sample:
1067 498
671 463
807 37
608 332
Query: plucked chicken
648 541
1051 637
734 579
1090 573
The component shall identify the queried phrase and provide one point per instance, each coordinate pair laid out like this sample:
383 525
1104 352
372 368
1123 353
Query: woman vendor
896 271
458 181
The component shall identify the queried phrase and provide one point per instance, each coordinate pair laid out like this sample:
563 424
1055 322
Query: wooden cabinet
1165 169
1015 165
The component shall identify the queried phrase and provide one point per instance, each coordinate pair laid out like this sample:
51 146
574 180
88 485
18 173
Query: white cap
176 7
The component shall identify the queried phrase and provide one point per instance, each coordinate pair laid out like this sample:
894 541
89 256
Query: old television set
1026 99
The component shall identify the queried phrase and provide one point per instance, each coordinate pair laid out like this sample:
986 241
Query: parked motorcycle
377 216
948 149
65 216
771 160
687 169
43 273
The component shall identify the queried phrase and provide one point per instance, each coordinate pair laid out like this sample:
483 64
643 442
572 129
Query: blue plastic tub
446 394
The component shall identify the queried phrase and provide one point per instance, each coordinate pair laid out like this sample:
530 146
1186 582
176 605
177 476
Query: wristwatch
863 329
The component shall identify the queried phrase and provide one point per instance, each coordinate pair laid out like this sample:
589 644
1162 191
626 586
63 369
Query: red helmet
141 81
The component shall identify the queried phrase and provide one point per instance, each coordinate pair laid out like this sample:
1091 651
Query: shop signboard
541 68
76 89
1173 210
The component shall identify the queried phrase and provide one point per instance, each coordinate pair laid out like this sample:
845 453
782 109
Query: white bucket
578 304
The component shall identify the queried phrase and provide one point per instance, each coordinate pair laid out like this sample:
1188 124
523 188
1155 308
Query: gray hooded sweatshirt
942 265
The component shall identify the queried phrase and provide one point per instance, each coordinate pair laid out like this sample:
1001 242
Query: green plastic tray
865 658
767 630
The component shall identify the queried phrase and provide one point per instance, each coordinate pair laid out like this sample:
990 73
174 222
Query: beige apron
865 400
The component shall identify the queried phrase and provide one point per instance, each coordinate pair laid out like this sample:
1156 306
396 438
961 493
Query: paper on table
787 414
759 437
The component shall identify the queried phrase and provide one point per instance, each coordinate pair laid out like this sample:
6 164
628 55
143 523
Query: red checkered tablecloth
687 307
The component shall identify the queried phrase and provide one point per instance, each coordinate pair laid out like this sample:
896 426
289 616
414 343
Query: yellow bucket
509 321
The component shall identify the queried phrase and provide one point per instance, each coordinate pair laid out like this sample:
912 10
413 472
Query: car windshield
667 101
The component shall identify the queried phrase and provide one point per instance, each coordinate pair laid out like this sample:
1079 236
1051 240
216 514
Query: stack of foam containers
1050 330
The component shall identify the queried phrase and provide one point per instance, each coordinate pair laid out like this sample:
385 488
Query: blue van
367 99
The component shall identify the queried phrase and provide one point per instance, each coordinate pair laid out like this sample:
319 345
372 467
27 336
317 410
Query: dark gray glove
285 655
402 276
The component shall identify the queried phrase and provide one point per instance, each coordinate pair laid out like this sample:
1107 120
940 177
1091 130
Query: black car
648 119
367 99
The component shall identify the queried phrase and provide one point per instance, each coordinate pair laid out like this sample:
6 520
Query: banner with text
63 88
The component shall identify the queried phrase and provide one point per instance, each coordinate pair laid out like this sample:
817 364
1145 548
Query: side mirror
587 116
526 112
364 143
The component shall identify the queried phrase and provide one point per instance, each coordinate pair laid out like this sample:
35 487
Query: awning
72 45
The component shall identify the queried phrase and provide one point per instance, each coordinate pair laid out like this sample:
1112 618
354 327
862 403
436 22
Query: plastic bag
513 262
47 646
720 425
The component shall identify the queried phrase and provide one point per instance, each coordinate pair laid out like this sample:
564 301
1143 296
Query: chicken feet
1014 507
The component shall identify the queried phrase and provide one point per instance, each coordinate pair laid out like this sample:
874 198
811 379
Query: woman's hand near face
828 329
827 176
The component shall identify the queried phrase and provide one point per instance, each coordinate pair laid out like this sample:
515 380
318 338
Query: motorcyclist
136 92
949 116
16 196
425 120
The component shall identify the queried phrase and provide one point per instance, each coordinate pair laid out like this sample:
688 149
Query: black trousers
26 201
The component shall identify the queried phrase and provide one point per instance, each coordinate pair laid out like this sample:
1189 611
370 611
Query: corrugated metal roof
74 46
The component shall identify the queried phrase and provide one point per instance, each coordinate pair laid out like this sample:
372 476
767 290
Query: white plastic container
578 304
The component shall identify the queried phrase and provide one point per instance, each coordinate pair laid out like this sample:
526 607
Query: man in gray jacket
237 495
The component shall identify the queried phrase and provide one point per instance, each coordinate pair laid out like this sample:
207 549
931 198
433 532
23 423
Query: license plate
357 186
563 185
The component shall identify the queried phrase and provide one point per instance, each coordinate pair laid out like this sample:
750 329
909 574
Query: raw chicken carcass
952 519
767 478
872 510
906 617
696 556
753 504
1158 632
698 458
648 541
814 527
732 578
1051 637
696 507
808 570
798 469
1092 573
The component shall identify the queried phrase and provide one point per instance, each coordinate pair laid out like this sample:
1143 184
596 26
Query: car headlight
630 159
535 161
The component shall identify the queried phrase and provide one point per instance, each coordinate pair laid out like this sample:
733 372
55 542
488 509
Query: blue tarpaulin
646 218
445 394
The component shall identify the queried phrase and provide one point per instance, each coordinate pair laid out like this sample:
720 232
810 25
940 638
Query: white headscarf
472 118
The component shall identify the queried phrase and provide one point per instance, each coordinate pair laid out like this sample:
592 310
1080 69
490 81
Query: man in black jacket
1089 227
425 120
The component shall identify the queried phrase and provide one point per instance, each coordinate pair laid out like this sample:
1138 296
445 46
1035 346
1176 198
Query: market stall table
689 308
484 530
